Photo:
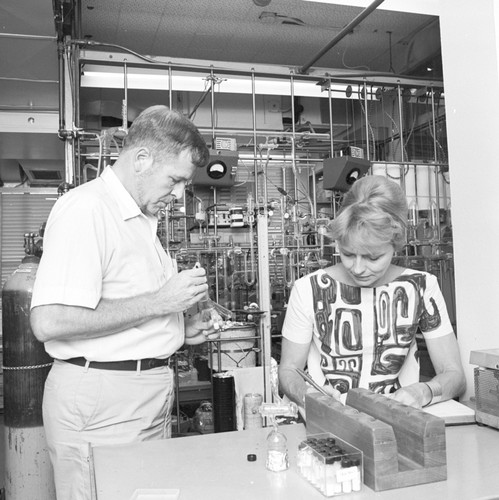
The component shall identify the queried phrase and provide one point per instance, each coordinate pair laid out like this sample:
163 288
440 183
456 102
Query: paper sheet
452 412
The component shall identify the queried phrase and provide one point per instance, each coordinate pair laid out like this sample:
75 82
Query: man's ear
142 160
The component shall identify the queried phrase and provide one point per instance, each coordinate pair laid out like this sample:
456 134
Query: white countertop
215 466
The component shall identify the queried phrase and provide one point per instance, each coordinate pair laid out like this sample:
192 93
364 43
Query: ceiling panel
284 32
30 17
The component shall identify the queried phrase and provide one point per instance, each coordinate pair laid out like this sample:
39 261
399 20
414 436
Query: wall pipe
255 147
170 90
124 106
69 135
366 118
212 80
75 67
437 169
401 123
345 31
61 70
330 107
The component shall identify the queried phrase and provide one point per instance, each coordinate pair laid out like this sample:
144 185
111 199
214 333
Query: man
108 301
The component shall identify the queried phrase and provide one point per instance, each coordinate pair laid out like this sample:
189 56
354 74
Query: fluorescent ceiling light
428 7
156 79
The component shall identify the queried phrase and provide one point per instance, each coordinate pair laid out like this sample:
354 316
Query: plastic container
331 465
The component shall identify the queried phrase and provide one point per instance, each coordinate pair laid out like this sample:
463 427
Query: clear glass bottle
210 310
277 451
207 311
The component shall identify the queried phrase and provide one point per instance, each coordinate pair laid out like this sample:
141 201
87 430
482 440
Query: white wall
470 58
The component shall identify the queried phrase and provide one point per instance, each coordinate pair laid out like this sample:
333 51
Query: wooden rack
401 445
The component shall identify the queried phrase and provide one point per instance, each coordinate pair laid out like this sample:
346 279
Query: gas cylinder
28 470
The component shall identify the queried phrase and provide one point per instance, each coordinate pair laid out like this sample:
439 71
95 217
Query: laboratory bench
216 466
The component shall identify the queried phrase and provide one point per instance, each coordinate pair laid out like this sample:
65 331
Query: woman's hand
327 388
415 395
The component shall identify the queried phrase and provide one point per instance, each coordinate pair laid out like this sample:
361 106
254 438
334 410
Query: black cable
119 47
201 100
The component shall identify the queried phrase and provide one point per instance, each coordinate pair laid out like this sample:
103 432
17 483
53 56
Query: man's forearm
56 321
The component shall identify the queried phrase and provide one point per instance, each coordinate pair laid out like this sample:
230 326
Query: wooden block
401 446
373 437
420 436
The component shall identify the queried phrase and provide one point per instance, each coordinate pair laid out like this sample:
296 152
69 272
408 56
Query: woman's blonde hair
373 212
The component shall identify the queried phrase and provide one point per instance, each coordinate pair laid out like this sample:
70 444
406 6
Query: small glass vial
277 451
208 312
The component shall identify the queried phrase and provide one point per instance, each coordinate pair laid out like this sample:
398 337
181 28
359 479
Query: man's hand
197 331
183 290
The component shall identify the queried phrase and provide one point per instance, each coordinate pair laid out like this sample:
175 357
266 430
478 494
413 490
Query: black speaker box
341 172
220 170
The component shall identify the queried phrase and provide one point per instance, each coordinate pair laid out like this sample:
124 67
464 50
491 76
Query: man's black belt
129 364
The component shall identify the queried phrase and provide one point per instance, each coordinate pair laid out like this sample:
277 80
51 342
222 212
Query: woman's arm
449 378
293 356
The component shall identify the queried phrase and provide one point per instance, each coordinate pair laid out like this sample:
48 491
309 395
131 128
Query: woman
354 324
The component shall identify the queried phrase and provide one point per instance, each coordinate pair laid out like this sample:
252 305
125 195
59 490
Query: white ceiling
284 32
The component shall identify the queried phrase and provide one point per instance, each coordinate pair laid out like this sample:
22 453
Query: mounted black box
220 170
341 172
